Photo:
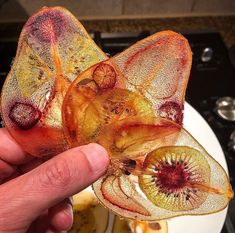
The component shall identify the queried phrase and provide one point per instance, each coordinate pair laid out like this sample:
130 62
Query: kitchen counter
223 24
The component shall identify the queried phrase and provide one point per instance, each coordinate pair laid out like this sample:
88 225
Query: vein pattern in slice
52 50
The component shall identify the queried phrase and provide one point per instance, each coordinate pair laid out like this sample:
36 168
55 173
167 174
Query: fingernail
97 157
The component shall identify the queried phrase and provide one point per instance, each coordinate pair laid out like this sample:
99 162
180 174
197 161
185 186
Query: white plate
200 130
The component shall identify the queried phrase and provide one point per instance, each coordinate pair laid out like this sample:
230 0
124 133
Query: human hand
34 193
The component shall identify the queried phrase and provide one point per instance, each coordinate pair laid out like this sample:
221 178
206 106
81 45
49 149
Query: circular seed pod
105 76
176 178
24 115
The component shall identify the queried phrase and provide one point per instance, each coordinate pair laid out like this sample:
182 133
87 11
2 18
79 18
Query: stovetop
212 77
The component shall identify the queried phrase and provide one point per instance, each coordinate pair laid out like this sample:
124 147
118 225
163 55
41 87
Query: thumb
62 176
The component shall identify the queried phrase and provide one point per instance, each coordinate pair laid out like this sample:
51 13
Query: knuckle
57 174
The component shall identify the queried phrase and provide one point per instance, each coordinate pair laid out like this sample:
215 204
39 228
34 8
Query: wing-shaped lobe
53 49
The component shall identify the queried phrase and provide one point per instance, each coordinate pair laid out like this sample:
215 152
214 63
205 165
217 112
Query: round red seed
172 111
105 76
24 115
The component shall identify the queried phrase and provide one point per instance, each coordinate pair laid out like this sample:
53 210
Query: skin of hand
34 193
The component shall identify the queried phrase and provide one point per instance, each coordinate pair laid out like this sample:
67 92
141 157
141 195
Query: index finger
10 150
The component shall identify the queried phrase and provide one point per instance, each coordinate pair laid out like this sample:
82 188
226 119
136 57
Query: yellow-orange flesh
154 82
52 50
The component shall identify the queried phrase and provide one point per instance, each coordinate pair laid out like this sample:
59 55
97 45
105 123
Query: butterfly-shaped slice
158 68
52 50
153 74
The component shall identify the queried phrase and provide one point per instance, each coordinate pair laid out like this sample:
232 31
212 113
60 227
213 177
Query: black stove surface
212 77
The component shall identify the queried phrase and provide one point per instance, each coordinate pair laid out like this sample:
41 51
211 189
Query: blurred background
209 25
133 15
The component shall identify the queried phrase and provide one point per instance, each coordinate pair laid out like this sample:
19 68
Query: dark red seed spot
47 26
24 115
172 111
172 177
105 76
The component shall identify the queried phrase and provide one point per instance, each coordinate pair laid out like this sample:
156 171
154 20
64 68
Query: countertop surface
223 24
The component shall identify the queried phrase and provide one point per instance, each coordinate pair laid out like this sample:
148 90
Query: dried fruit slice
203 174
158 67
137 135
176 178
118 119
109 107
52 50
90 84
88 109
112 191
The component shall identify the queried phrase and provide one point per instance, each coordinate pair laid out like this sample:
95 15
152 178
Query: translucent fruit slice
158 67
112 190
120 120
137 135
90 84
178 178
120 195
52 50
112 106
90 105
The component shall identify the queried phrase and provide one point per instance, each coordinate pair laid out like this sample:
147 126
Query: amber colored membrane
94 110
209 179
135 136
81 117
53 49
100 110
156 68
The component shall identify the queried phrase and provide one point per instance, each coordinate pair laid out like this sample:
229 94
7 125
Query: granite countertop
223 24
